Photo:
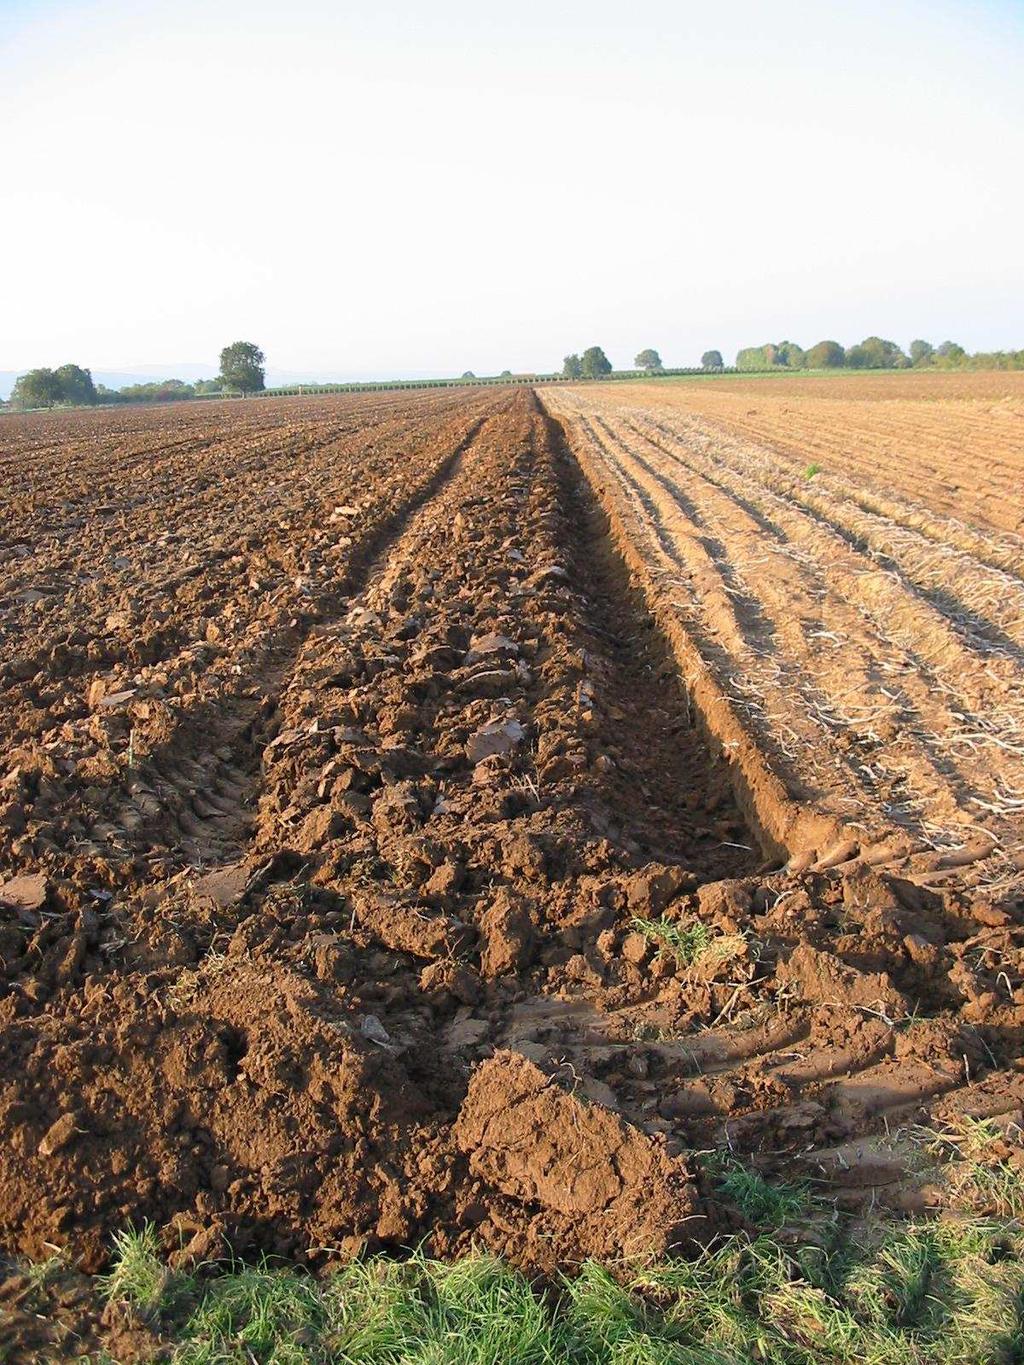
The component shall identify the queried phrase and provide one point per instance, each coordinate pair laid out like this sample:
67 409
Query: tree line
874 353
594 364
241 371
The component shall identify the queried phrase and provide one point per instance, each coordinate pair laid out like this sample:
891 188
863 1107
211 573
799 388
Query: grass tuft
980 1171
255 1313
686 942
138 1278
763 1204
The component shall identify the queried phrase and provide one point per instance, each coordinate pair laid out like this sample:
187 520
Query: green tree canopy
241 367
572 367
37 389
468 374
595 364
76 384
648 360
791 355
159 391
751 358
712 360
875 353
921 352
826 355
950 350
782 353
505 374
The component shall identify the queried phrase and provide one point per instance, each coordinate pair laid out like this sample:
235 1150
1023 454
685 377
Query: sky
400 188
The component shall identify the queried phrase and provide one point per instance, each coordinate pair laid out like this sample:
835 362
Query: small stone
58 1135
112 700
27 892
374 1030
222 888
549 573
484 646
497 737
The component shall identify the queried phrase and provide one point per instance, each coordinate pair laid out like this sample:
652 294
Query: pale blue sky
401 187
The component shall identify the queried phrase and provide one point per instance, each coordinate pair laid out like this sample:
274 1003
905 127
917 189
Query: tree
76 384
712 360
949 350
241 367
468 374
648 360
827 355
755 358
572 367
37 389
875 353
921 352
791 355
159 391
505 374
594 363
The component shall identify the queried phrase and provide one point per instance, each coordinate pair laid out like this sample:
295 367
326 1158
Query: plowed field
438 820
858 653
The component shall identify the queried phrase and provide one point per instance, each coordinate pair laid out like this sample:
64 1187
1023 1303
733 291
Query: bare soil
360 759
950 441
861 658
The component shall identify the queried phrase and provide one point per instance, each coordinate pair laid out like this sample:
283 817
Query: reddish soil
330 818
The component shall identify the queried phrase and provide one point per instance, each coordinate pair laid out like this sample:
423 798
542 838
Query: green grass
767 1205
692 943
811 470
805 1286
138 1277
686 942
936 1293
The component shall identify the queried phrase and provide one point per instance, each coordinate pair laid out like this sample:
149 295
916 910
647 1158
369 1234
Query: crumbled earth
418 910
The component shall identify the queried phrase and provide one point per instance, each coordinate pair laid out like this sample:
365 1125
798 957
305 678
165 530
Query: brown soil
326 856
952 442
867 677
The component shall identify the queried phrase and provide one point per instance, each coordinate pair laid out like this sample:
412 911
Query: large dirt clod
591 1176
